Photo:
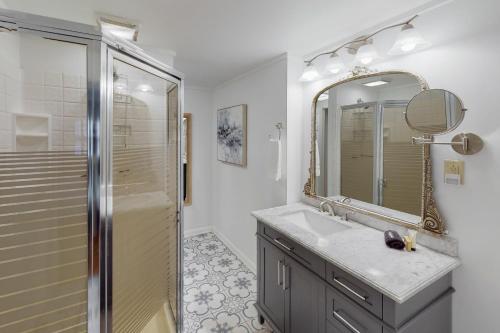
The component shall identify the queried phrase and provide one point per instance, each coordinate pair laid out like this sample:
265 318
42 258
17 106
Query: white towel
318 164
280 157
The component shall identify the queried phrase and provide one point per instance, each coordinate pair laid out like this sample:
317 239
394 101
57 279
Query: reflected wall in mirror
187 158
435 111
362 148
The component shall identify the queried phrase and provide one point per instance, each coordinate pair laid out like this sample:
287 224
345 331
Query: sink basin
315 223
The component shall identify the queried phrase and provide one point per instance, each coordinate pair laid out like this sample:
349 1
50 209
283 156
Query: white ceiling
216 40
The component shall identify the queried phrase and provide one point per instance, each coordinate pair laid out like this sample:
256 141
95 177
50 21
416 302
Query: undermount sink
315 223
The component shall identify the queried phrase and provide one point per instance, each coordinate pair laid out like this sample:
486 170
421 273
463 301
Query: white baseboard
249 263
196 231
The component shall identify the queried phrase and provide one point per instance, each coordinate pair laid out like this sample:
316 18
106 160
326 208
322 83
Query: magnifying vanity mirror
363 157
438 111
434 111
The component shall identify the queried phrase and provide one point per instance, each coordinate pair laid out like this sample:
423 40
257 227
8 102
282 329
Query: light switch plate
454 172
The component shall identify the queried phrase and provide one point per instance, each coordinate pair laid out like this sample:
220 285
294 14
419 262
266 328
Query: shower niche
90 221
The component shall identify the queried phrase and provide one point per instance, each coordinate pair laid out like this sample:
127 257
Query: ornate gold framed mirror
362 157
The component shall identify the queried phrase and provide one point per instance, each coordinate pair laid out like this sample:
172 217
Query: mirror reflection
434 111
363 143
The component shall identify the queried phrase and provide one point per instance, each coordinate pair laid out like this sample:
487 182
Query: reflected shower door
357 152
144 161
402 163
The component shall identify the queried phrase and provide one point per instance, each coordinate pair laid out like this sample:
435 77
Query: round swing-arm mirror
434 111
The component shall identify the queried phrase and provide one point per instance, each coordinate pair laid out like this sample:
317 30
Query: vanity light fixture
335 64
366 53
310 73
375 83
409 40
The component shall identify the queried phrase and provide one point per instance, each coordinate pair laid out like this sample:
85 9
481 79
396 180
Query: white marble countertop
361 251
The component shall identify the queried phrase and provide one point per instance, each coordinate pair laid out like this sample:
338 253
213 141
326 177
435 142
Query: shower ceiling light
335 64
323 97
145 88
409 40
310 73
375 83
119 28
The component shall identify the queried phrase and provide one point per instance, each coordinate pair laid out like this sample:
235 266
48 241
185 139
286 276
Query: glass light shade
366 54
310 73
409 40
335 64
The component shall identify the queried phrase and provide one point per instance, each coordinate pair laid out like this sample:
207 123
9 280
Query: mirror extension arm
464 143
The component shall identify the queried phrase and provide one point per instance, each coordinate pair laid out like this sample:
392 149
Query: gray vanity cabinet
271 292
299 292
304 299
290 296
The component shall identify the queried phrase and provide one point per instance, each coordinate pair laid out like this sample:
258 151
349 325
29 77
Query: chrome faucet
329 207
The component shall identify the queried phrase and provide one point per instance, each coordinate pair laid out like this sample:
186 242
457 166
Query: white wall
237 191
467 65
199 102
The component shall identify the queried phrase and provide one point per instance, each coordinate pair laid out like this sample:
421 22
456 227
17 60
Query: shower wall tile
53 79
33 92
53 94
2 101
2 84
5 121
32 77
30 106
72 95
53 108
71 81
57 123
83 82
72 110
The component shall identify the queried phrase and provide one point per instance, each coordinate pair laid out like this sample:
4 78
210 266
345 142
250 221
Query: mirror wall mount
431 220
463 143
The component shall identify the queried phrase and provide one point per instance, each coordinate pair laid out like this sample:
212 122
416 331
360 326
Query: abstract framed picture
232 135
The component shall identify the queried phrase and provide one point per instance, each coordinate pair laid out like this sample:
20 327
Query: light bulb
310 73
145 87
409 39
335 64
366 54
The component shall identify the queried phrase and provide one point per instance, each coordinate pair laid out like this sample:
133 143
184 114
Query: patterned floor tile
219 290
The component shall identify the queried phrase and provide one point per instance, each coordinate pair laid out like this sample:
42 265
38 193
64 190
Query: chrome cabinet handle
352 291
279 271
283 245
284 267
345 322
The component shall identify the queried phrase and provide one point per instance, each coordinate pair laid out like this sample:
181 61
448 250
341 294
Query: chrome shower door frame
98 90
110 52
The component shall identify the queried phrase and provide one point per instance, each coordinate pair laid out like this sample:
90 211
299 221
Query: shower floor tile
219 290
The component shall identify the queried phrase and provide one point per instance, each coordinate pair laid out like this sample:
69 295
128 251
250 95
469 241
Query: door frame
109 55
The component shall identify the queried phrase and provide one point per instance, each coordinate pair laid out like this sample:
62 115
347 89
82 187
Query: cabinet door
304 299
271 291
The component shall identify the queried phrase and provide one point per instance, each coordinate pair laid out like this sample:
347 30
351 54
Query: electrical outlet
453 172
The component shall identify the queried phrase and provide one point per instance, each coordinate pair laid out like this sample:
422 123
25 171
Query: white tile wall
60 95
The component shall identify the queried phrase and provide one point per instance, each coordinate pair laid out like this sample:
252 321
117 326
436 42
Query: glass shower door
144 161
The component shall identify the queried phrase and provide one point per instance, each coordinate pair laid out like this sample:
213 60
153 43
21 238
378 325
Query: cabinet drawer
310 260
356 290
345 316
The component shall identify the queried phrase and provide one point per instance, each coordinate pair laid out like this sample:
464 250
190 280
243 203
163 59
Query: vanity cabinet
299 292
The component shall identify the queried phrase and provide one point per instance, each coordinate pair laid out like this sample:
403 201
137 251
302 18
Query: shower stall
90 182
